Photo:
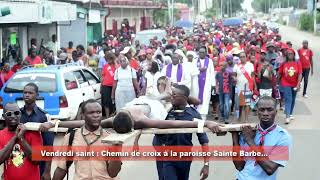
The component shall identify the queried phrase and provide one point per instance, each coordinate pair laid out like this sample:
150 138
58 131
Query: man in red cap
305 55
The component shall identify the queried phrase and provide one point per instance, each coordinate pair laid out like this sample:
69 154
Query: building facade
137 12
30 19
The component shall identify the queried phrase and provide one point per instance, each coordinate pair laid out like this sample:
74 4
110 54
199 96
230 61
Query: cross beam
115 138
33 126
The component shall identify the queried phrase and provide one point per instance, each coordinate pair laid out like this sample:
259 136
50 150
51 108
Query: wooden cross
115 138
33 126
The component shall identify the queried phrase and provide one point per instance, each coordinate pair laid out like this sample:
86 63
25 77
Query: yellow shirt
87 170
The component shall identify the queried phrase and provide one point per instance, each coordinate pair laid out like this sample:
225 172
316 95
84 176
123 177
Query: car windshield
45 81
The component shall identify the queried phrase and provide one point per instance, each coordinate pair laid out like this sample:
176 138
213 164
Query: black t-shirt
265 83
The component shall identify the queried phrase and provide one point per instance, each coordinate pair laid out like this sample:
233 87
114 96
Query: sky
247 5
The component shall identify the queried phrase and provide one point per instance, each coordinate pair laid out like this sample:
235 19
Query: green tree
161 16
306 22
263 5
230 7
211 12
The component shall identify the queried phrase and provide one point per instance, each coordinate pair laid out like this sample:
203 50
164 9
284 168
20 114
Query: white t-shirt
241 79
124 78
152 89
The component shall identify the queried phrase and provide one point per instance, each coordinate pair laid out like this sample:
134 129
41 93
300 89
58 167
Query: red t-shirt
290 72
6 76
16 67
221 59
257 57
229 47
305 56
27 169
134 64
108 74
36 60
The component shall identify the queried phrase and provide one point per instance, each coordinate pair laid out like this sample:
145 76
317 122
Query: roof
131 4
51 68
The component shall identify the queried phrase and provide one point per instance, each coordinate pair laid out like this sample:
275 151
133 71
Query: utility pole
169 12
227 8
172 13
221 8
265 7
206 5
314 16
217 7
231 7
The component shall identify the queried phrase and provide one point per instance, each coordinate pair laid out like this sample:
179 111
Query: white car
62 89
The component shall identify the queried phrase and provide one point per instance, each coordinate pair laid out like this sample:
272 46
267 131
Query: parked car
62 89
145 36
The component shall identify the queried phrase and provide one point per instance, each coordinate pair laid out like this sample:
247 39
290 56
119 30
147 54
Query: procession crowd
228 70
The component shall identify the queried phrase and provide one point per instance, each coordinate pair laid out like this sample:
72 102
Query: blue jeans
305 76
178 170
289 99
224 104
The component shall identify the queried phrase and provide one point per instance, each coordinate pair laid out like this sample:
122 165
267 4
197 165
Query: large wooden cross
116 138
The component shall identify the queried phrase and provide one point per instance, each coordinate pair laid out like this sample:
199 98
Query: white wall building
30 19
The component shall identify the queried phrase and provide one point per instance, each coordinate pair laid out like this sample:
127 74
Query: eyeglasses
242 56
12 113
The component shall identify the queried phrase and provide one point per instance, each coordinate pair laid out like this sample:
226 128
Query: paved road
305 131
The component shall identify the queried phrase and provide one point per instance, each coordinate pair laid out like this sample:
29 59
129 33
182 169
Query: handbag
245 97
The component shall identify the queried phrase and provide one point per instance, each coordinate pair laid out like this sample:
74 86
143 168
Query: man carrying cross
15 147
268 134
90 134
179 170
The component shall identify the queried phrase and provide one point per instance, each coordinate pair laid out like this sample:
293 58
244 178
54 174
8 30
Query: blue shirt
277 137
102 62
39 116
184 139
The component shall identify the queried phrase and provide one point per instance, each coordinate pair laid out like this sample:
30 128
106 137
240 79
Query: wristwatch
206 164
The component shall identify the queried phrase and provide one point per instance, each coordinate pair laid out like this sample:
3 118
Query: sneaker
281 108
287 121
291 117
305 96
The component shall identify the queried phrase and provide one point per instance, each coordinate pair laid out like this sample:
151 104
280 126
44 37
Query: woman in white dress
125 87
